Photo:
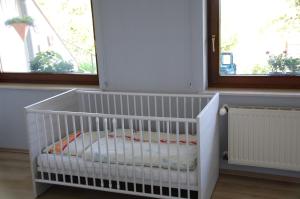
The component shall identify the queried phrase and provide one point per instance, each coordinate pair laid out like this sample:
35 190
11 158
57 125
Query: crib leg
39 188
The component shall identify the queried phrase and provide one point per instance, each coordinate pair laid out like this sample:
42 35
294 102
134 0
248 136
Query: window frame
55 78
215 80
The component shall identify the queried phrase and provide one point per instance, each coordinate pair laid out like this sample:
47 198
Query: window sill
62 87
255 92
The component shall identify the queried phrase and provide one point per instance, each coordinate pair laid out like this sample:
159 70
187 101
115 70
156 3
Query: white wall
13 132
150 45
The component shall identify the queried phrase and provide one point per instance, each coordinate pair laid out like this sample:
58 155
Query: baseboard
9 150
260 176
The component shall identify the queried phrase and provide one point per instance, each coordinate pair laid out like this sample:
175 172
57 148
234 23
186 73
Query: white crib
152 145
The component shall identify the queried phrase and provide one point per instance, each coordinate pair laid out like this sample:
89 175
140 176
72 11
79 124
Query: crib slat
169 167
187 166
89 103
170 107
116 155
192 111
76 148
177 107
61 146
163 112
148 106
184 107
134 105
192 116
108 104
142 155
68 139
46 140
92 151
108 109
107 150
132 151
100 164
83 154
53 144
134 108
102 104
82 103
124 154
178 160
155 106
121 104
141 103
150 149
115 105
128 106
95 103
159 155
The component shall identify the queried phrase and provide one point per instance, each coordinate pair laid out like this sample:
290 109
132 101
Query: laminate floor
15 183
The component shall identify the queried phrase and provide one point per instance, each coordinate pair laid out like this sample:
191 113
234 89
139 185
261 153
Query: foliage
229 43
261 70
290 21
87 68
277 63
26 19
282 63
75 26
297 2
293 64
51 62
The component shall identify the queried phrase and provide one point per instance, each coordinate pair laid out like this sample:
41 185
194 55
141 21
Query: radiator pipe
223 110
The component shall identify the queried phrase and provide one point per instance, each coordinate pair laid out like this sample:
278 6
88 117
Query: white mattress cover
122 151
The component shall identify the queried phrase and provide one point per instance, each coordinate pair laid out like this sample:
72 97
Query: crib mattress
163 155
132 149
77 166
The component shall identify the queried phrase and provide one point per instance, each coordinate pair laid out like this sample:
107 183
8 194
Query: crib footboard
208 152
33 139
63 101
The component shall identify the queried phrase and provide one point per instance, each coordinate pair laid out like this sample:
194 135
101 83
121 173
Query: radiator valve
223 110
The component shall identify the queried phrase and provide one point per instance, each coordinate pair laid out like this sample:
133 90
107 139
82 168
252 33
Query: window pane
61 39
260 37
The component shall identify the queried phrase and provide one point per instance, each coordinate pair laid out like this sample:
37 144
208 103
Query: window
46 41
254 44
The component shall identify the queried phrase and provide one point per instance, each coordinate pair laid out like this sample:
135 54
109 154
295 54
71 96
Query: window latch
213 39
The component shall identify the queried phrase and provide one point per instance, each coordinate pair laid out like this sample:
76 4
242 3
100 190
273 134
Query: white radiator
264 138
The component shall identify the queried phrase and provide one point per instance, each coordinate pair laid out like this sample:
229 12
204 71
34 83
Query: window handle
213 39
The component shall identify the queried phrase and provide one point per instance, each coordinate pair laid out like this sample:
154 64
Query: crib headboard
208 136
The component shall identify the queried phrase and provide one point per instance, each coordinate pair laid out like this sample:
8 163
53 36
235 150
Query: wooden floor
15 183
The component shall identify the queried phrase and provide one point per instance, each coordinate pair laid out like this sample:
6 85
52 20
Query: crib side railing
142 104
109 152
